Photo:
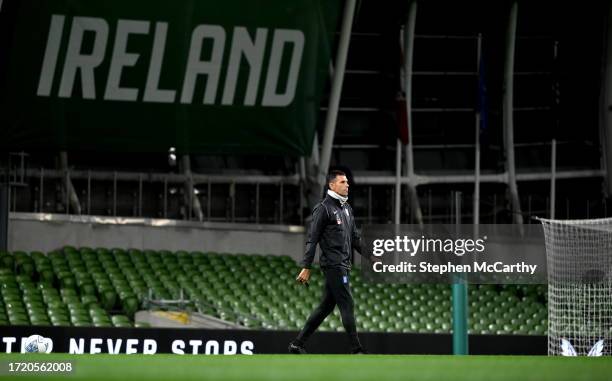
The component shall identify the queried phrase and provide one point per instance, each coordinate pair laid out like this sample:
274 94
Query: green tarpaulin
203 76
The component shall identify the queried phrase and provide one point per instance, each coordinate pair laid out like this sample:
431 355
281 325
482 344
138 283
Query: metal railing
186 304
170 183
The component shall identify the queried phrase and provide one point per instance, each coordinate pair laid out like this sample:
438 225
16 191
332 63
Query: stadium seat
104 287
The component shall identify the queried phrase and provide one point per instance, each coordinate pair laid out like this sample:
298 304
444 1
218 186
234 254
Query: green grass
317 367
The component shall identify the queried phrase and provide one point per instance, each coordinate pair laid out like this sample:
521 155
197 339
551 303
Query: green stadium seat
257 291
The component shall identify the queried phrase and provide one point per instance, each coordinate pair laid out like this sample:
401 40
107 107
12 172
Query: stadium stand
105 287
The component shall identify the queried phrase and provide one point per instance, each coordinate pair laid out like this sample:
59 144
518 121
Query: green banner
235 76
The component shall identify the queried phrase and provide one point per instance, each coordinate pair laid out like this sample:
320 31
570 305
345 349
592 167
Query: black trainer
359 351
296 349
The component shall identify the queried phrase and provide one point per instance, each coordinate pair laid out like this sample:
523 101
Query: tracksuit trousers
336 291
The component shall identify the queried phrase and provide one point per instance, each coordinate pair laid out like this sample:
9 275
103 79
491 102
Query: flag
402 118
556 90
482 102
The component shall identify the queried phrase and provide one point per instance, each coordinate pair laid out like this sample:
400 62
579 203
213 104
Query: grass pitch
315 368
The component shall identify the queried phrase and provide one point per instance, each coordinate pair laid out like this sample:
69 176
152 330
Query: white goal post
579 266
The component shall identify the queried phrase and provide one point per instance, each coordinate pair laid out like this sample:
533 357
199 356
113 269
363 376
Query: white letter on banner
113 349
178 346
122 58
86 63
211 68
230 347
9 341
130 346
149 347
76 349
195 344
253 52
94 346
211 347
246 348
47 72
281 38
152 92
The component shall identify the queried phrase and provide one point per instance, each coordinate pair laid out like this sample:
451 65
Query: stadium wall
46 232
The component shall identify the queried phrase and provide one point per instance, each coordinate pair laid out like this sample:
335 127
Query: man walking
333 228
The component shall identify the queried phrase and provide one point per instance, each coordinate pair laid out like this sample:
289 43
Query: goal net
579 264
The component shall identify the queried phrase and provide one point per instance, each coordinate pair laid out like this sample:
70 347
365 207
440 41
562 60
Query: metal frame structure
310 174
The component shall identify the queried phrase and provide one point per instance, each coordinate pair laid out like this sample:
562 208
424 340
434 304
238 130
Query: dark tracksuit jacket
333 228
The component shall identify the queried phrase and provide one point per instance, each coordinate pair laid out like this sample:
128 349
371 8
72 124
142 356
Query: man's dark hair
331 176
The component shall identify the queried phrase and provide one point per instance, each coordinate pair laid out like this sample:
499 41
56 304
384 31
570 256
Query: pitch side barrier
81 340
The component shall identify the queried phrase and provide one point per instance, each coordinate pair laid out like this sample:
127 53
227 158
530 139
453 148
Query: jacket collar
338 201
